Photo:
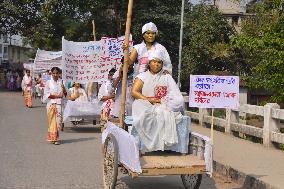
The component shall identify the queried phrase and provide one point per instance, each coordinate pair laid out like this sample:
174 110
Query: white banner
28 66
45 60
210 91
90 61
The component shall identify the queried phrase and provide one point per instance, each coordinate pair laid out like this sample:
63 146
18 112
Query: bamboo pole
94 30
91 85
212 130
125 64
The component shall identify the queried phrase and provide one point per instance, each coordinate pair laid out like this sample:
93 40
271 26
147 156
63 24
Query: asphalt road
27 161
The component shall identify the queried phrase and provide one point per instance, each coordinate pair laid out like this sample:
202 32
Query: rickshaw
121 151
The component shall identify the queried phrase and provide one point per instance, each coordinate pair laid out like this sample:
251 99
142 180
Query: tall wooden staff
91 85
94 30
125 64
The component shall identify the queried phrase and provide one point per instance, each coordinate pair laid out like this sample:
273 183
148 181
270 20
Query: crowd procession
152 96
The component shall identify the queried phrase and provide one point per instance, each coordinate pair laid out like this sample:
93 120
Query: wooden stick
94 30
91 85
212 130
125 65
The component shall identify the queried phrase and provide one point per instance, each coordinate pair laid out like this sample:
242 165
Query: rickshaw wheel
110 162
191 181
74 122
62 127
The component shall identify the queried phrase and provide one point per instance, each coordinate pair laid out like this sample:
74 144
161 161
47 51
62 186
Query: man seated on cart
157 120
77 93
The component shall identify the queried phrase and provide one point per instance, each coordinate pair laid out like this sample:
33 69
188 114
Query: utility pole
180 42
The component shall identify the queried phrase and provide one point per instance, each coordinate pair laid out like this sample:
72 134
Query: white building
233 10
13 50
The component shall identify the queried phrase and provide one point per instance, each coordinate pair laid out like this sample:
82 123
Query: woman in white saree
157 108
54 91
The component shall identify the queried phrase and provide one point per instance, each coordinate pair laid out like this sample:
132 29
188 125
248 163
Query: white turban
156 54
149 27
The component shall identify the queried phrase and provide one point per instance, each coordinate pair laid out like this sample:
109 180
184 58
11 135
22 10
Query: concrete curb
247 181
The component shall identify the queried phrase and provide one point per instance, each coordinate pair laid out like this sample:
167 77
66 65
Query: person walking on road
53 93
27 89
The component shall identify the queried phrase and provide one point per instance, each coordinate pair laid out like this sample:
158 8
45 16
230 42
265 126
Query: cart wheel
191 181
110 162
74 122
62 127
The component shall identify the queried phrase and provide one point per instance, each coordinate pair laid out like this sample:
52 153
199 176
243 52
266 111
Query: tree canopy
262 43
209 42
43 23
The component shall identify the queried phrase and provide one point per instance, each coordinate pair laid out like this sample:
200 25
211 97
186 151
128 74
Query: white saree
156 125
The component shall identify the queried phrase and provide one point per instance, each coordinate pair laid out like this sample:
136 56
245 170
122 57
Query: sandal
57 143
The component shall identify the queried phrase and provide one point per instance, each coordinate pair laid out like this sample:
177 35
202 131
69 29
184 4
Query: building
233 10
13 52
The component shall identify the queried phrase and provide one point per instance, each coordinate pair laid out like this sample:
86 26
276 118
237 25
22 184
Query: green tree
44 23
207 44
262 43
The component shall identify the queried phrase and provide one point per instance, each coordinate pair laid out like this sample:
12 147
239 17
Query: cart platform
159 163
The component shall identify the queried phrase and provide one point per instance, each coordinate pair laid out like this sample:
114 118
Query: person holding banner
140 52
157 107
53 93
27 88
117 83
106 95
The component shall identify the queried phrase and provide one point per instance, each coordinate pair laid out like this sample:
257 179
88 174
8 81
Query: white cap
149 27
156 54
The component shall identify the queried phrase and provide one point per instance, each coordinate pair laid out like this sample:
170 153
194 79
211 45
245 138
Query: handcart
81 113
120 149
120 152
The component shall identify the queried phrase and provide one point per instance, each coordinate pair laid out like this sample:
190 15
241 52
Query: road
27 161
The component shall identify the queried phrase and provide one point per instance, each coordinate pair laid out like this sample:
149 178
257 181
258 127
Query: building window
5 39
5 52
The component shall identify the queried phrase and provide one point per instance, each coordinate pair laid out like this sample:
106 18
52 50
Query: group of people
33 86
11 80
152 96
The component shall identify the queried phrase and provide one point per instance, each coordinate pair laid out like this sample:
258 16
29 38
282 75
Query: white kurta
156 124
106 89
82 94
27 80
129 98
143 54
52 88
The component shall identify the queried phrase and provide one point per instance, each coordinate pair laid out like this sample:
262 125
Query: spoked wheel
62 127
110 162
191 181
75 123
